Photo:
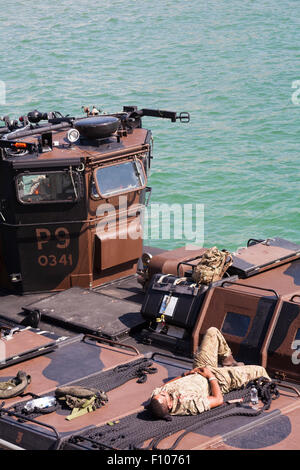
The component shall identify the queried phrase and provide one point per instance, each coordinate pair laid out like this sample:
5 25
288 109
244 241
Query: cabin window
236 324
118 179
47 187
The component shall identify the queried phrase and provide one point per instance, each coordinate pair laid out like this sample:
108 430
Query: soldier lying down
203 387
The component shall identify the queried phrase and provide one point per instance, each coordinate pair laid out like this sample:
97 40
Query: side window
56 186
117 179
236 324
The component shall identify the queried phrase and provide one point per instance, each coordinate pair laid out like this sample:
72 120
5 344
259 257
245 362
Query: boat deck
81 358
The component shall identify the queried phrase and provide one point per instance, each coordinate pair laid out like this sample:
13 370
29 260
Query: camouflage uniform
229 378
190 393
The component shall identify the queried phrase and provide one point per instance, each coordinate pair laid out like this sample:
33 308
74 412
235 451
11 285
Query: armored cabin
72 193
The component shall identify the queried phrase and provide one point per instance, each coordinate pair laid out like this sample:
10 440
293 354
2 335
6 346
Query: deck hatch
267 254
91 312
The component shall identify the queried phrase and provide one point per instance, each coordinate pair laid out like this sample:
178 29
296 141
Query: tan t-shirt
189 394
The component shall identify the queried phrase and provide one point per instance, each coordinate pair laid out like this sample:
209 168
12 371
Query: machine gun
129 119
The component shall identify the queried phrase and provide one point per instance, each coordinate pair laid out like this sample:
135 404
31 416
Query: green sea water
232 64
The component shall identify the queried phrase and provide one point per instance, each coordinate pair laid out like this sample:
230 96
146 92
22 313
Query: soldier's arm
216 397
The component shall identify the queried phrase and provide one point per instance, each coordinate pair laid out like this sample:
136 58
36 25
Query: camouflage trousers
212 347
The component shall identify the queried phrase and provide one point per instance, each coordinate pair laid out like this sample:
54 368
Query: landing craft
84 304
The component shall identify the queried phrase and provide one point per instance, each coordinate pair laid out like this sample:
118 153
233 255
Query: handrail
25 418
5 445
269 333
288 386
77 437
253 287
186 262
110 341
168 356
296 295
253 240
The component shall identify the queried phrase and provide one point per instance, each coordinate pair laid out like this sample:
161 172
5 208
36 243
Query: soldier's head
160 406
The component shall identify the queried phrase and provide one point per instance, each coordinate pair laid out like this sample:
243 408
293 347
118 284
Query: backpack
212 266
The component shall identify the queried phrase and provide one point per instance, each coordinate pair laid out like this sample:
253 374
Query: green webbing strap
86 407
81 400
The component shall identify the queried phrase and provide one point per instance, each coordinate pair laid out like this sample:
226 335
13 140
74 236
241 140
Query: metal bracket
10 334
148 190
16 277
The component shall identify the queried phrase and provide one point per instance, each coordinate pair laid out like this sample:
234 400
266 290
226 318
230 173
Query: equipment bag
81 399
214 263
172 300
15 386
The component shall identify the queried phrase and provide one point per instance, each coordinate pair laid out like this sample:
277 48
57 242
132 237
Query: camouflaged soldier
203 387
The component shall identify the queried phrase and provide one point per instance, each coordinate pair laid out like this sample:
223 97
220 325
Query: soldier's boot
229 361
